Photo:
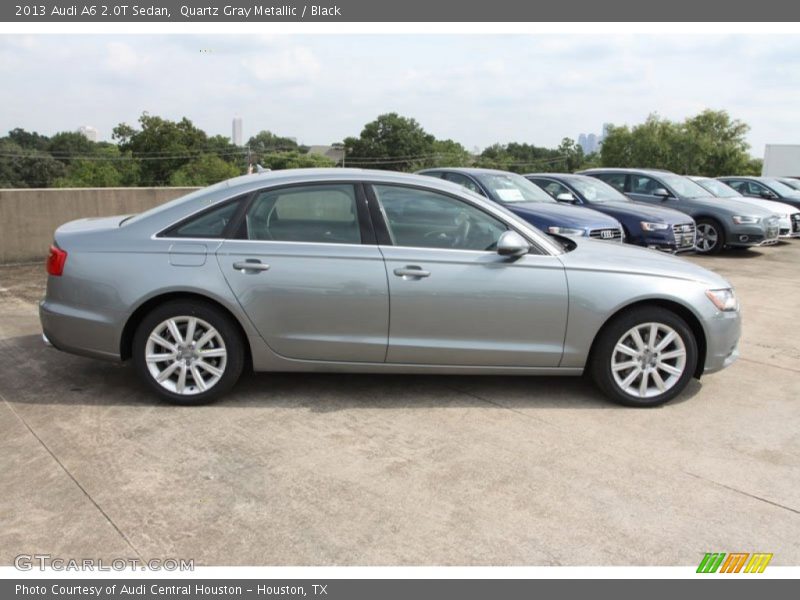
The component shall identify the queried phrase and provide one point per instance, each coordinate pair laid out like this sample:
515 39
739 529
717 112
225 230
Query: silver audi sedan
355 271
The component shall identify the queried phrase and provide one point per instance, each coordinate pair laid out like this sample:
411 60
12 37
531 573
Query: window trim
365 228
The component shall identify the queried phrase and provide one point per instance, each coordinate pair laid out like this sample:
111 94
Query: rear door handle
250 265
411 271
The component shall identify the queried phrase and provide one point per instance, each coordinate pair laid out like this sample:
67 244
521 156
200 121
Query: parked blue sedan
532 203
645 225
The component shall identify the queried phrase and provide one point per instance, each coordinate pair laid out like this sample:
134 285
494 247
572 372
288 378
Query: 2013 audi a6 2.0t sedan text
371 271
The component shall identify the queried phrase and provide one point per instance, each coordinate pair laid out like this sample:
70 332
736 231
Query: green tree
391 142
294 160
448 153
161 146
204 170
68 144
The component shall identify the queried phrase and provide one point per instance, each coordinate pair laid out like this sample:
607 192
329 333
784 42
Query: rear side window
211 223
319 213
615 180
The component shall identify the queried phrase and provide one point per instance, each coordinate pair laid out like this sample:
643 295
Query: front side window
318 213
641 184
425 219
210 224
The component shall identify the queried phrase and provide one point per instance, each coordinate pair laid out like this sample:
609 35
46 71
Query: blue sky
476 89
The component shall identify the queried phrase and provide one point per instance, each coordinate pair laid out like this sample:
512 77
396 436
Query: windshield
595 190
778 187
719 189
683 186
509 188
792 183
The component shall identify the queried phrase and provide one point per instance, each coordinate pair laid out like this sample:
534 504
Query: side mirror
566 197
661 193
512 244
767 195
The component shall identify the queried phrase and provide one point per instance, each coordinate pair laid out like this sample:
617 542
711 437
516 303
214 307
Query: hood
593 255
773 206
564 215
646 212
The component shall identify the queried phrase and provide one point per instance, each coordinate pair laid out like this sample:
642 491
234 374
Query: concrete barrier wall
28 217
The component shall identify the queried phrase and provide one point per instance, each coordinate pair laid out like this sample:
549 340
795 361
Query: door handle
250 265
411 272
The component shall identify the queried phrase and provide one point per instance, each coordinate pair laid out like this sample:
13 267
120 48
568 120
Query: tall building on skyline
591 142
89 132
236 134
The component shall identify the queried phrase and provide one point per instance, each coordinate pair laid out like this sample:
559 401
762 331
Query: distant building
236 134
89 132
591 142
334 152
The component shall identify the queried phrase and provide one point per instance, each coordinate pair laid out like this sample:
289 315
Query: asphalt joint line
72 477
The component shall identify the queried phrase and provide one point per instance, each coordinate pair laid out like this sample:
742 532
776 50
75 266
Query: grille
607 235
796 222
684 234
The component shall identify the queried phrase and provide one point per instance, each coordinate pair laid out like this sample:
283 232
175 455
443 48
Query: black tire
232 344
716 227
604 353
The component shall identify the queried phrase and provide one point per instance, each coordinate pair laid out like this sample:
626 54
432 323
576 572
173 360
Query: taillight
56 261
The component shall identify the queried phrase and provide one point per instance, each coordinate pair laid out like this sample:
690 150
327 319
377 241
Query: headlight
724 300
565 230
647 226
743 219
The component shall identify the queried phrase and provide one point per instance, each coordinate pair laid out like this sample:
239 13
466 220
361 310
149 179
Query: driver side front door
453 299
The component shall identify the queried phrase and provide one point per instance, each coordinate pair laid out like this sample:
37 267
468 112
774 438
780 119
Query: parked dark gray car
720 223
356 271
766 188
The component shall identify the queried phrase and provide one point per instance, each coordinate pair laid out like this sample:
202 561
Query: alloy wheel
707 237
648 360
186 355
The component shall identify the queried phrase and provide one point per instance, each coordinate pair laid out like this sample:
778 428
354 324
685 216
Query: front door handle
250 265
411 272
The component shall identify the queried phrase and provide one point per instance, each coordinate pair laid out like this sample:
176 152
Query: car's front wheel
188 351
645 357
710 237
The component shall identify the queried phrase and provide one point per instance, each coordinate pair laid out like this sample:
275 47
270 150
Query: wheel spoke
157 339
651 339
210 368
658 381
672 354
643 384
160 357
198 379
669 369
631 377
174 331
190 327
665 342
180 386
625 365
213 353
165 374
205 338
637 339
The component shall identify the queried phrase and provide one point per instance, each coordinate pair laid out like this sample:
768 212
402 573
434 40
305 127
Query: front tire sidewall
219 321
600 367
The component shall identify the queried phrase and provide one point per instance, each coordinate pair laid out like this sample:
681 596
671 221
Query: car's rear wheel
188 351
710 237
645 357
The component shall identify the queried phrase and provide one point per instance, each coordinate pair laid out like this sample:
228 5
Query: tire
619 373
192 374
706 230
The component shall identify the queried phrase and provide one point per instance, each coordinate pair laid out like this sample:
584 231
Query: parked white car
788 215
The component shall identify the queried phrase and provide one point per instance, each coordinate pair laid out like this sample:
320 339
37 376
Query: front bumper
753 235
722 340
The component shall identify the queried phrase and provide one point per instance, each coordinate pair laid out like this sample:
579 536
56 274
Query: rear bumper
78 331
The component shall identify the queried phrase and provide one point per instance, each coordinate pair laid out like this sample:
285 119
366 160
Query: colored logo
734 562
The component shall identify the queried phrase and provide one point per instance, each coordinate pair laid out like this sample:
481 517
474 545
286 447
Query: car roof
626 170
468 171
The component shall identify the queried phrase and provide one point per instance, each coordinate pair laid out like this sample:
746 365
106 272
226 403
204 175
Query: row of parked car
647 207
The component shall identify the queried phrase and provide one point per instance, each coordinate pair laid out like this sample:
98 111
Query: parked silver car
370 271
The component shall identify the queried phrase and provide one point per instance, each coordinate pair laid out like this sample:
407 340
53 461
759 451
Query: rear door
454 300
307 272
